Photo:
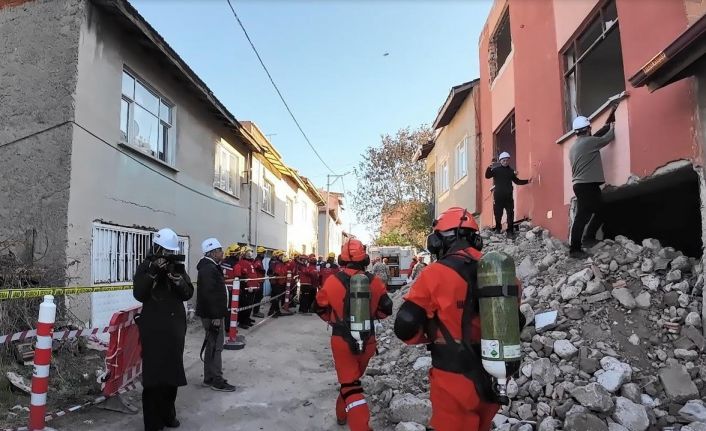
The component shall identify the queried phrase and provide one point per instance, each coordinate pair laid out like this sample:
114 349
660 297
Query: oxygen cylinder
501 349
359 306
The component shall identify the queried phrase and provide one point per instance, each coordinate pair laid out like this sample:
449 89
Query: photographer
212 308
162 285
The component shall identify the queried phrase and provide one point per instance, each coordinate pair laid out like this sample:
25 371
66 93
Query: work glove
216 323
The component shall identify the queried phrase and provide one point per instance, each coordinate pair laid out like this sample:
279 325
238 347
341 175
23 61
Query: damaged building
544 63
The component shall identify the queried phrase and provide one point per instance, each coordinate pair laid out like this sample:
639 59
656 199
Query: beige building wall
462 188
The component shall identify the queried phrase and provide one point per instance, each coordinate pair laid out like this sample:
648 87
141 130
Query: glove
176 278
216 322
159 263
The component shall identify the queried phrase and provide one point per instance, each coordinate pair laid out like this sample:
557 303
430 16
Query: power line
279 93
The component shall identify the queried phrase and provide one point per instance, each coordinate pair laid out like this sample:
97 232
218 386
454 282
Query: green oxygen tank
359 306
501 348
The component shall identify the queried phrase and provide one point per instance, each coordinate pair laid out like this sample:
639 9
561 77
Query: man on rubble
587 178
212 307
462 394
504 176
261 272
350 301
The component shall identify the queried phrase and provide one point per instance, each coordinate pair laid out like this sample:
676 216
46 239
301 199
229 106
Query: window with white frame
268 197
462 159
226 172
444 176
146 119
117 251
289 214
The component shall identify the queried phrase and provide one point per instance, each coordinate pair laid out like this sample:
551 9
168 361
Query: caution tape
38 292
63 335
61 413
263 302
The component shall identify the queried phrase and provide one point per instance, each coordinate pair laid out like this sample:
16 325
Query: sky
328 59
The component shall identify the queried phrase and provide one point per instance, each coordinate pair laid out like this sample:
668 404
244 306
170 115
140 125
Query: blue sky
327 57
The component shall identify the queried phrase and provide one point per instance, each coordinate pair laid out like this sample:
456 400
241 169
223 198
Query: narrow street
284 377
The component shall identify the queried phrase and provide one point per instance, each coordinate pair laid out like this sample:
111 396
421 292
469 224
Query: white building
336 232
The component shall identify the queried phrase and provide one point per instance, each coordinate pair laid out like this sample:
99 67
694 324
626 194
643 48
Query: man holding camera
212 308
162 285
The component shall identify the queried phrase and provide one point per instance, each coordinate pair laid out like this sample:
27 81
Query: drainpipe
258 208
250 180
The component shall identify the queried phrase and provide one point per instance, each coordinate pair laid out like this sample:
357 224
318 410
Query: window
118 251
505 137
226 175
268 197
289 215
462 159
146 120
500 45
593 65
444 176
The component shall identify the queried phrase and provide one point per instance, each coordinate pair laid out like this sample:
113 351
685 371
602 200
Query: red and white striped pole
42 360
234 342
285 309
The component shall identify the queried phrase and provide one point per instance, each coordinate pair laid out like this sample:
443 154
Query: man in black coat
162 285
503 176
212 308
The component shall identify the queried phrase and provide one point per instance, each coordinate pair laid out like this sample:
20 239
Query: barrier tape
38 292
91 403
263 302
65 335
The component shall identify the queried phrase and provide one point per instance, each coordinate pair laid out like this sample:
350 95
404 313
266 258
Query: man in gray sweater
587 178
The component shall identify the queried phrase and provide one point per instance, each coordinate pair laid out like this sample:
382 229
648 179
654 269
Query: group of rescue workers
446 308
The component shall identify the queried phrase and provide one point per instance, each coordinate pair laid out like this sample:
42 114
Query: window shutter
217 169
224 170
233 175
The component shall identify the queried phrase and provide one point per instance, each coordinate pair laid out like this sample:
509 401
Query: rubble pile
612 343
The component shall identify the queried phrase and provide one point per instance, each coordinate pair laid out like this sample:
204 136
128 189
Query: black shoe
510 234
244 326
578 254
590 242
223 386
341 422
174 423
252 322
207 383
258 315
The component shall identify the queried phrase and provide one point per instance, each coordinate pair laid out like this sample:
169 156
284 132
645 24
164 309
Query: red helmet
353 251
455 218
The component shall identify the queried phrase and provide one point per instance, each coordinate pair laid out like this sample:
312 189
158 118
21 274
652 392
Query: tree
390 179
394 237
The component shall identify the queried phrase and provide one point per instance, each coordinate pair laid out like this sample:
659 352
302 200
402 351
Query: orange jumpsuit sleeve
421 294
323 302
378 290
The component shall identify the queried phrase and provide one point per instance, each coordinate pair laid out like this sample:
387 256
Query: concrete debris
612 343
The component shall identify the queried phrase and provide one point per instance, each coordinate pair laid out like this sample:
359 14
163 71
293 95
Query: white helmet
504 155
166 238
210 245
581 122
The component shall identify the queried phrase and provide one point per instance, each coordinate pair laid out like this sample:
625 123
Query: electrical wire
279 93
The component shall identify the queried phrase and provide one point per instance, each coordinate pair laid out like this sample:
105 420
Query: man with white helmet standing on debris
503 176
587 178
212 308
162 285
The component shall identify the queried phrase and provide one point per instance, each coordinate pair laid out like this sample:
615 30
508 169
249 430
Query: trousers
589 202
212 362
276 304
158 406
257 298
455 404
306 298
351 404
504 203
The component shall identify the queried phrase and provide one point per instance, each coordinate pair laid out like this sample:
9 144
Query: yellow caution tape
38 292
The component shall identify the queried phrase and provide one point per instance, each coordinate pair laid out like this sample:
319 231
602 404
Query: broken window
146 120
500 45
505 137
593 65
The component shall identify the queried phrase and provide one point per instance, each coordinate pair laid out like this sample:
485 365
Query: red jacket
278 269
327 270
245 269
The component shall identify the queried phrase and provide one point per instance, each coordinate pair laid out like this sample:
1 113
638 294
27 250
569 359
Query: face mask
248 255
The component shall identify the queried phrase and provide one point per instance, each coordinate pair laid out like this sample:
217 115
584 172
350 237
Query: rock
651 282
652 244
694 411
584 422
530 236
670 299
570 291
594 286
543 371
548 260
613 266
526 309
687 355
625 298
527 269
545 321
632 392
648 265
612 426
524 411
593 396
634 340
694 426
410 426
631 415
695 336
693 319
549 424
673 276
678 384
681 263
422 363
584 276
684 300
643 300
633 248
616 374
598 297
525 427
499 419
565 349
408 408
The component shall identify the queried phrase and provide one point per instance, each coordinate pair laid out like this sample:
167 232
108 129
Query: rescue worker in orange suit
328 268
293 266
261 272
308 281
440 309
351 360
278 271
228 265
245 270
